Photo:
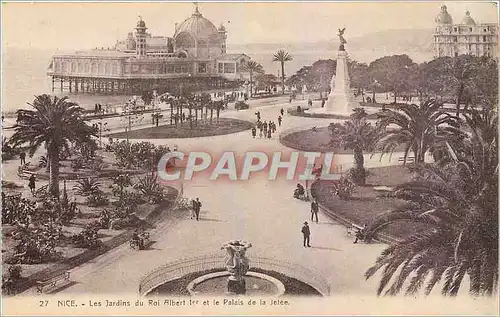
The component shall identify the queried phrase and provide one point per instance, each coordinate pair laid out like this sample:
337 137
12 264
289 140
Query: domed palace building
467 37
194 58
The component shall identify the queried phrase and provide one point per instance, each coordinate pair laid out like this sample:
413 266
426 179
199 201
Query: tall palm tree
358 135
253 67
55 123
282 57
419 127
459 204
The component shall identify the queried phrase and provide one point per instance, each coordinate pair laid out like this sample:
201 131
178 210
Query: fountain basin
257 284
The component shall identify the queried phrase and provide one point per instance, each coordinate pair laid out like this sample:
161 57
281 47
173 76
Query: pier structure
194 58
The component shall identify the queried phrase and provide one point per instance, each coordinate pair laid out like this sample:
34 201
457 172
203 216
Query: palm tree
56 123
252 67
459 204
219 107
358 135
282 57
419 128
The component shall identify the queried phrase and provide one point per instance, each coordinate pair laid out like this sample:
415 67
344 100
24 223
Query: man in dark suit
197 208
314 210
306 233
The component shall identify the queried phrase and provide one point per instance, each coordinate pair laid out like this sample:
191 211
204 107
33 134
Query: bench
352 229
409 159
52 282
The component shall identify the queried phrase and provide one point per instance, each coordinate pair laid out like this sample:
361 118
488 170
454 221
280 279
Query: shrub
344 188
143 155
149 187
87 238
10 280
97 199
127 204
87 186
36 245
78 163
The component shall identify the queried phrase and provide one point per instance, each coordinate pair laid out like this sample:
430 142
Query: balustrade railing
175 270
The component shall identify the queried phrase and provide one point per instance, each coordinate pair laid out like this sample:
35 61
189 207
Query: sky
79 25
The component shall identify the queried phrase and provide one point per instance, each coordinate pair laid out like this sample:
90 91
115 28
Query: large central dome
199 27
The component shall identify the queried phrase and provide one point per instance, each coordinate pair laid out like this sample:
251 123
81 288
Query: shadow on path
325 248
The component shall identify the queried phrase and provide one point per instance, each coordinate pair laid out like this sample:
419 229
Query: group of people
266 129
139 238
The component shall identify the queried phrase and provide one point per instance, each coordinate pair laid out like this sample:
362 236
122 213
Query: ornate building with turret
467 37
194 58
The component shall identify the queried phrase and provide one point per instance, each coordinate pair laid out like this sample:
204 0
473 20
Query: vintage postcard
223 158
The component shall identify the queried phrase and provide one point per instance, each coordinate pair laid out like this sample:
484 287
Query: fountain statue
237 265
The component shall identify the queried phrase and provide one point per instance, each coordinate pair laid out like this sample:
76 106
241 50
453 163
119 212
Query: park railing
178 269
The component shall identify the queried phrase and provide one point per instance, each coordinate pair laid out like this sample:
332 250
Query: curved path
259 210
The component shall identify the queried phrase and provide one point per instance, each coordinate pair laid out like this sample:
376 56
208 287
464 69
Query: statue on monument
342 39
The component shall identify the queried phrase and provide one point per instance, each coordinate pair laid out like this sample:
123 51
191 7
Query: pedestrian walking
282 111
306 233
22 156
31 183
254 132
279 120
314 210
269 133
198 208
265 127
260 133
309 103
192 211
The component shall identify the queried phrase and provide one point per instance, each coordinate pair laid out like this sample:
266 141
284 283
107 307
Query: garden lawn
315 141
203 129
366 203
294 112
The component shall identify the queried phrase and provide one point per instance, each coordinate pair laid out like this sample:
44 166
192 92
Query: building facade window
202 67
220 68
229 68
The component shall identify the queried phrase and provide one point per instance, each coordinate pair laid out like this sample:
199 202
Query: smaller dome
444 17
467 19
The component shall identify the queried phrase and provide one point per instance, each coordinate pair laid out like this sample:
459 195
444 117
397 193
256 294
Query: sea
24 73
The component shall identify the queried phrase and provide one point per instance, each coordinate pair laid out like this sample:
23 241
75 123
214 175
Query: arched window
58 66
184 40
101 68
73 67
87 67
94 68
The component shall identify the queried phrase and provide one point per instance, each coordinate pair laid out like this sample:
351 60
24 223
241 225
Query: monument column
340 100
